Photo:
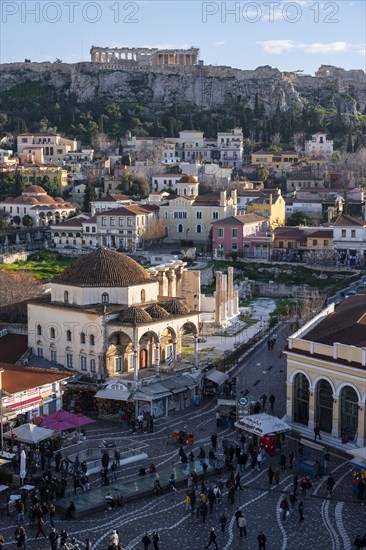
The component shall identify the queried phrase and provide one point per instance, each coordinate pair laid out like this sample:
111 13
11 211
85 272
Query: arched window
68 335
52 333
349 413
180 228
143 296
82 338
66 297
92 365
199 228
92 340
324 406
105 298
39 330
301 399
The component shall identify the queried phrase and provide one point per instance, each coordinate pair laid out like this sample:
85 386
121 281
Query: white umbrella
23 465
262 424
29 433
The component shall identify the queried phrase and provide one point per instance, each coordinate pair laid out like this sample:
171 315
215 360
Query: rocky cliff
208 86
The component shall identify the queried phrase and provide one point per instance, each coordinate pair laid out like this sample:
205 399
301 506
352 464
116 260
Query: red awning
26 403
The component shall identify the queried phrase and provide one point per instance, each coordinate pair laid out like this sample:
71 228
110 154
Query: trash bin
197 400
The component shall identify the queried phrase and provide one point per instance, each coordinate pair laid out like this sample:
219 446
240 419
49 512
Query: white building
109 202
319 146
53 146
349 237
230 145
165 181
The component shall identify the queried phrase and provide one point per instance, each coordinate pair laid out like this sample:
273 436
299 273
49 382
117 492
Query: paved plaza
330 523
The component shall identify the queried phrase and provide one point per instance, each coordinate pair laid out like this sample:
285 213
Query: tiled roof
240 220
131 210
19 378
77 221
175 307
349 221
12 347
346 325
104 268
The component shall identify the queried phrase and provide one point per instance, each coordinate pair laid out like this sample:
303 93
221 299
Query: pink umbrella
58 425
65 420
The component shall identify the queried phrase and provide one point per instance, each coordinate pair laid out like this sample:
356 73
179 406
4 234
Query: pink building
245 234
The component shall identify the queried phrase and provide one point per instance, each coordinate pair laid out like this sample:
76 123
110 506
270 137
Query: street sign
243 401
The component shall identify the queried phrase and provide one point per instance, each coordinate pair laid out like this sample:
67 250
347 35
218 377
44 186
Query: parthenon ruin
145 56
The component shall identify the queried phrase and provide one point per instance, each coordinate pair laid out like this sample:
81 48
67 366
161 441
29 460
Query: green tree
262 172
19 184
299 218
17 220
27 221
89 196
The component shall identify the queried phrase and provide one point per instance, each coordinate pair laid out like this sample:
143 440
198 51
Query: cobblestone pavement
330 524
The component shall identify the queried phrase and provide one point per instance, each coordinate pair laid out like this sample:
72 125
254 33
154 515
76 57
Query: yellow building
279 161
270 205
326 382
33 174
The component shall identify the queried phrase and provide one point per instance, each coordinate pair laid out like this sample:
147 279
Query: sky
292 36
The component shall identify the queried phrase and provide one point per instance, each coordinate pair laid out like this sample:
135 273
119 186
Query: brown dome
157 312
135 315
188 179
59 199
176 307
35 189
104 268
46 200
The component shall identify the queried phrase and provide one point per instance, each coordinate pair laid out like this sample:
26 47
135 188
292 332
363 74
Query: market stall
268 428
359 467
227 411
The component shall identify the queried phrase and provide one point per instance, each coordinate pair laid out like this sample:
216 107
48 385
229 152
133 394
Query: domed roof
188 179
104 268
46 200
157 312
176 307
35 189
59 199
135 315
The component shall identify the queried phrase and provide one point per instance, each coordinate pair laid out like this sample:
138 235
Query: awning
26 403
140 396
113 395
217 377
262 424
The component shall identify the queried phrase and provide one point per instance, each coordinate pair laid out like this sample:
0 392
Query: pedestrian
53 538
293 500
300 449
156 538
283 460
301 510
295 485
146 541
64 535
259 458
277 475
317 433
270 474
361 488
52 511
326 461
214 441
20 537
231 495
19 507
261 538
242 522
114 538
223 522
114 471
2 540
40 527
88 544
204 511
237 482
218 418
264 401
172 482
330 484
237 515
212 539
188 501
272 400
284 507
291 457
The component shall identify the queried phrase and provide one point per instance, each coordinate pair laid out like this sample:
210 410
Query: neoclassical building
326 372
108 316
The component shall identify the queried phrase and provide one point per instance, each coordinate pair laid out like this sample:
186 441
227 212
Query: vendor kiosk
227 411
359 467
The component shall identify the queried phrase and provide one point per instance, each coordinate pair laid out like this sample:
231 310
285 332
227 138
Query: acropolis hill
131 79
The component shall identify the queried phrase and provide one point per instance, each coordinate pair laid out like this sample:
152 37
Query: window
326 243
234 247
24 140
39 330
87 229
343 233
82 362
92 340
66 297
215 215
92 365
118 364
234 233
353 233
54 355
105 298
143 296
180 215
52 333
199 215
68 335
69 360
40 352
315 242
120 221
82 338
94 229
104 222
113 221
59 151
220 232
180 228
129 222
198 228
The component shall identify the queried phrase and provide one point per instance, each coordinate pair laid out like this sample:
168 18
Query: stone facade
148 56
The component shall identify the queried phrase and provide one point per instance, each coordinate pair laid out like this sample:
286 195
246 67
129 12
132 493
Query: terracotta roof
12 347
104 268
35 189
207 200
240 220
346 325
349 221
157 312
77 221
19 378
175 307
135 316
188 179
131 210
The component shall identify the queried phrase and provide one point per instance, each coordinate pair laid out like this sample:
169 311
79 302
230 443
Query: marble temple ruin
145 56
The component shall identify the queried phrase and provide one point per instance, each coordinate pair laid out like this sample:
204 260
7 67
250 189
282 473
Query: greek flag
170 358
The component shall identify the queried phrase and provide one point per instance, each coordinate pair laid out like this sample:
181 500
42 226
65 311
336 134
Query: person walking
214 441
326 459
146 541
261 538
284 507
270 474
40 527
212 539
260 458
53 538
237 515
301 510
155 539
242 522
291 457
272 400
20 537
277 475
223 522
295 485
361 488
293 500
283 461
204 511
330 485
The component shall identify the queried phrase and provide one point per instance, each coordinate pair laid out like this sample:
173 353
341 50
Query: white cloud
219 43
284 46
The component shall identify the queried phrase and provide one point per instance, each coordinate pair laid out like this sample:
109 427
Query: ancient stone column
157 356
236 310
230 292
224 297
196 351
218 309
